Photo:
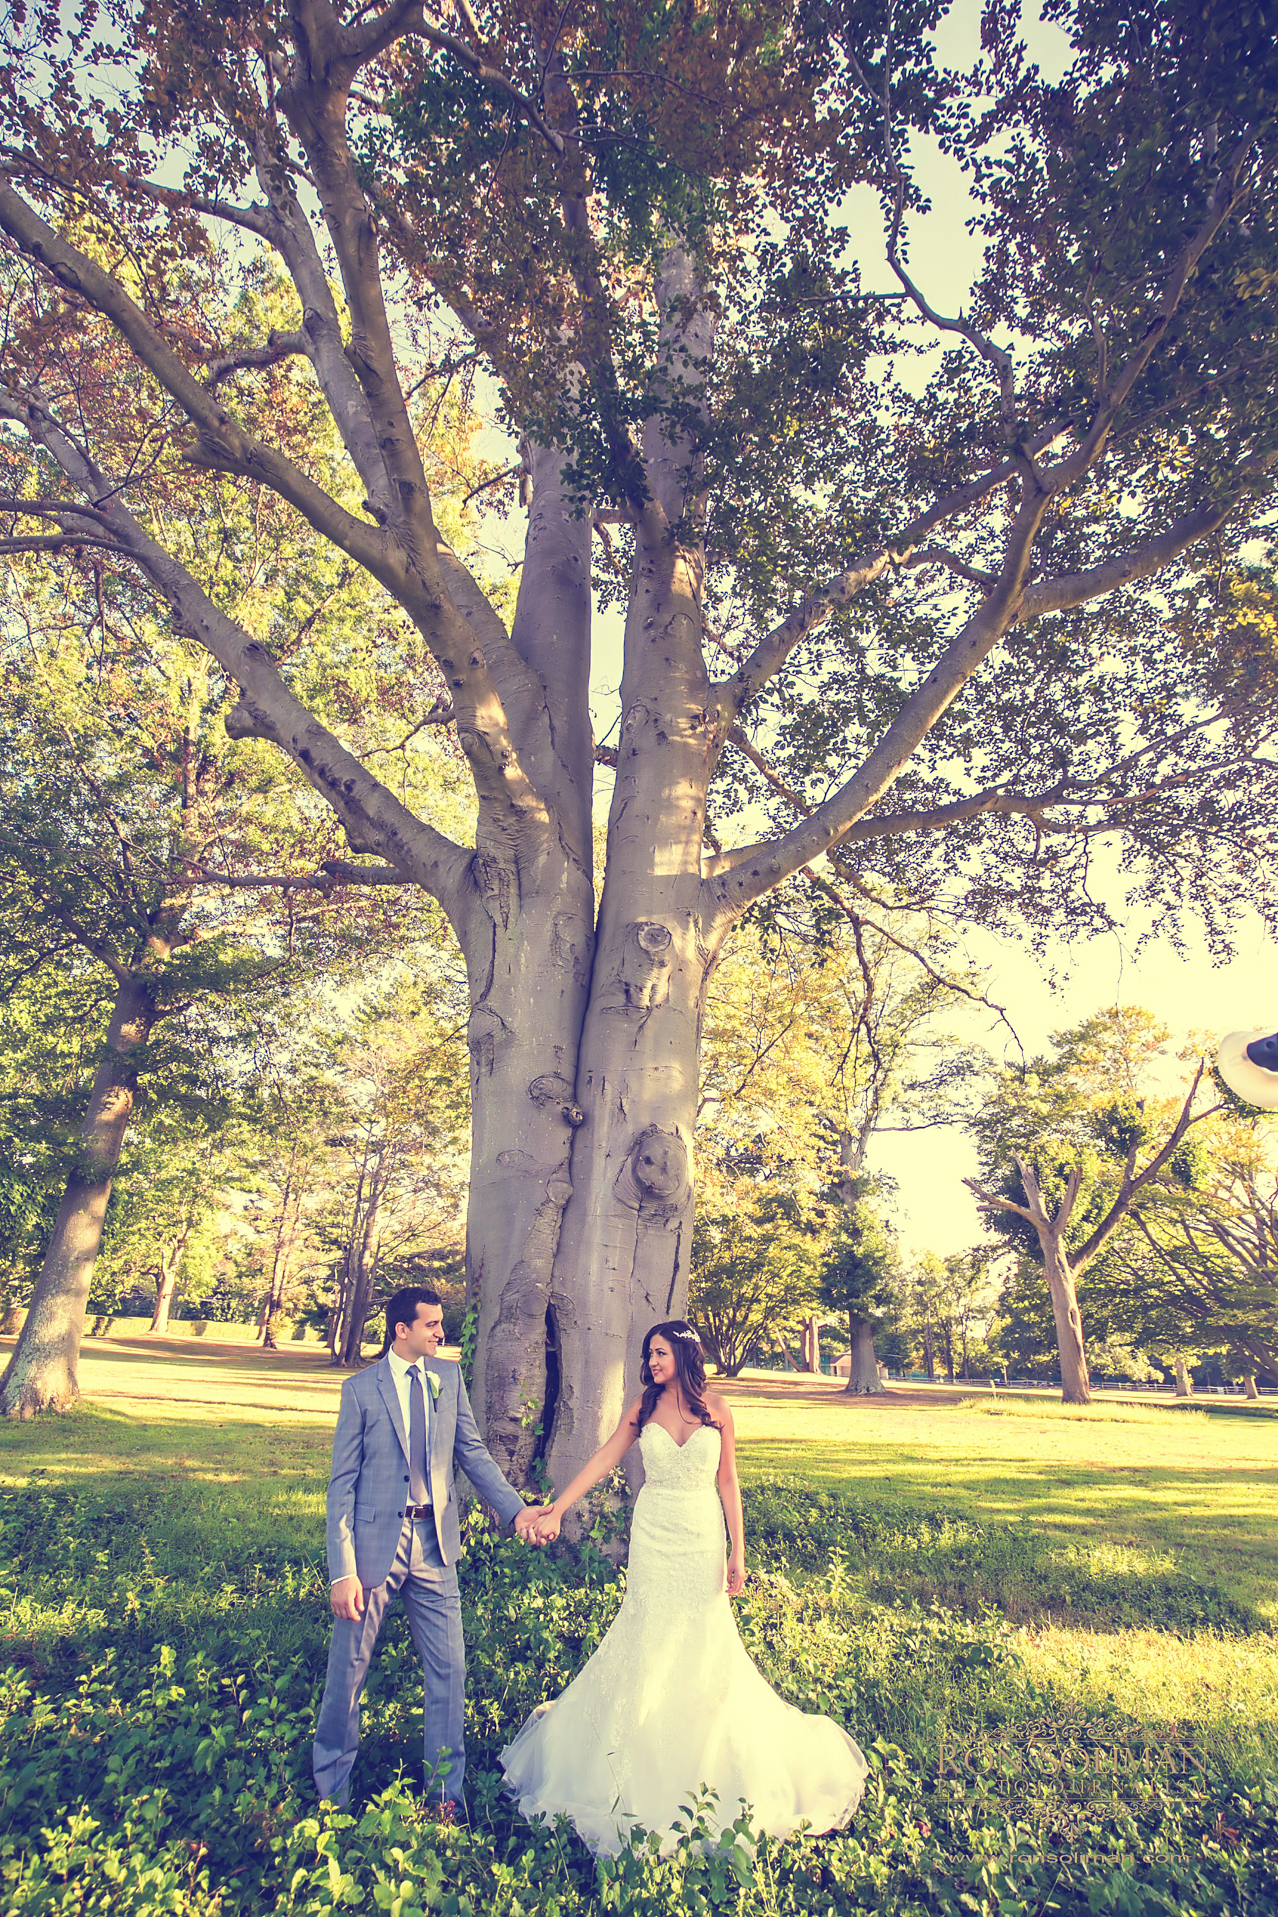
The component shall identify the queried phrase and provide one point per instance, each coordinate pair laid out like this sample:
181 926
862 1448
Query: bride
671 1702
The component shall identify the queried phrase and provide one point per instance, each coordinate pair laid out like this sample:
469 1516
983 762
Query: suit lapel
390 1398
435 1419
438 1457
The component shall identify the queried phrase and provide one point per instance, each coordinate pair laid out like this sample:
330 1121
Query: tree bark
863 1365
626 1238
1076 1384
165 1284
1058 1270
167 1277
282 1259
364 1274
811 1344
43 1372
929 1352
1249 1387
1184 1383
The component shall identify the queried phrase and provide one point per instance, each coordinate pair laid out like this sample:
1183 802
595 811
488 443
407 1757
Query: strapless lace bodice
671 1701
690 1466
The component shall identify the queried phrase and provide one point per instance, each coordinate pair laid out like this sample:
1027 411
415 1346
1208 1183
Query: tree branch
373 818
358 45
1075 589
331 874
251 358
221 443
772 651
764 865
1132 1186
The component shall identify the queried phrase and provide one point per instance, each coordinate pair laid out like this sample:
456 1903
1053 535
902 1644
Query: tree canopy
857 541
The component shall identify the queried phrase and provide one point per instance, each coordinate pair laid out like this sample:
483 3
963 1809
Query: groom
392 1527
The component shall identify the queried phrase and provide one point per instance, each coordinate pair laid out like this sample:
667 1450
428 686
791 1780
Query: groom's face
421 1338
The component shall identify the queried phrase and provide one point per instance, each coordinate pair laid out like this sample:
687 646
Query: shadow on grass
95 1445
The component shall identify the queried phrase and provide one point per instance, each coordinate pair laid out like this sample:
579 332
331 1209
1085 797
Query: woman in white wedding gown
671 1702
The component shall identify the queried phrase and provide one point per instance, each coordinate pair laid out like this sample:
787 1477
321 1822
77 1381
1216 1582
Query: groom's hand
347 1599
526 1524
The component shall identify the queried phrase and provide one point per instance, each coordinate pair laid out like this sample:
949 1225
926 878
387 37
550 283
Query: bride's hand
736 1574
547 1527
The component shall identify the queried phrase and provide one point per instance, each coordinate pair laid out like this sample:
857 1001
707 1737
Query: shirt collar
400 1367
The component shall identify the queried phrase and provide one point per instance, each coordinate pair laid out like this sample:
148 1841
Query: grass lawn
1159 1478
965 1582
1125 1502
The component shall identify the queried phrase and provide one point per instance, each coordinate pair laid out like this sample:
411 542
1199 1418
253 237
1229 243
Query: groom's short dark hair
402 1309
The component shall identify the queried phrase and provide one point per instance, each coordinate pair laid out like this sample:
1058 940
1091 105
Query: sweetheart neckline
652 1425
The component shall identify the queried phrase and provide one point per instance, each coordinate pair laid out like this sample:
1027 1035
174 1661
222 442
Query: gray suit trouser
429 1590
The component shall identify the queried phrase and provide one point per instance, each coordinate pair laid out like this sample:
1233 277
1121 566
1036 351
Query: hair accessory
688 1334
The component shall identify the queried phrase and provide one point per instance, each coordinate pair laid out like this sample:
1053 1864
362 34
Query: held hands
529 1523
736 1574
548 1522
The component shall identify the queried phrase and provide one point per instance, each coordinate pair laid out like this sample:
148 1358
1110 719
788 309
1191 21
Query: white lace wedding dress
671 1701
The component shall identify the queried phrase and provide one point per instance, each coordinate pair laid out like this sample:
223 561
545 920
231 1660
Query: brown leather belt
418 1512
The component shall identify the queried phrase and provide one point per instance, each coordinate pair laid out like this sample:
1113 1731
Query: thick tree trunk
523 1037
622 1262
929 1353
42 1374
165 1285
167 1277
863 1365
1076 1386
811 1344
1263 1356
1249 1387
1184 1383
529 947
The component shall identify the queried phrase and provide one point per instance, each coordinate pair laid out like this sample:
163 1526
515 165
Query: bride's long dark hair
690 1370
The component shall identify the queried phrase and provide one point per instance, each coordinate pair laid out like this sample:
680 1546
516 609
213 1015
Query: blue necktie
417 1491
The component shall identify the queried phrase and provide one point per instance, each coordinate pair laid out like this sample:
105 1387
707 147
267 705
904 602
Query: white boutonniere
436 1384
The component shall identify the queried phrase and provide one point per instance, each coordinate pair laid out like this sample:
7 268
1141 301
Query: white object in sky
1248 1064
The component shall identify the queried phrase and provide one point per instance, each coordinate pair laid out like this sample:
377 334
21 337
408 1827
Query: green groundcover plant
165 1648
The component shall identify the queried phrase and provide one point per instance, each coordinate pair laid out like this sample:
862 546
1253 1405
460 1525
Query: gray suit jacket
368 1489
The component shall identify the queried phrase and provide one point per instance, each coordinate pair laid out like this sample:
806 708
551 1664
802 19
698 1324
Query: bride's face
661 1362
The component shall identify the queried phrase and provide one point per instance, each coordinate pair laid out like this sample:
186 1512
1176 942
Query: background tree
284 1183
881 583
1203 1273
396 1132
858 1275
162 1237
755 1268
1076 1127
823 1026
130 827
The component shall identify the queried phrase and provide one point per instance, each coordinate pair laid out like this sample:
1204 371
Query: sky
933 1210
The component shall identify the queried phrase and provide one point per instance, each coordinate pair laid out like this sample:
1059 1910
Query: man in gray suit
392 1527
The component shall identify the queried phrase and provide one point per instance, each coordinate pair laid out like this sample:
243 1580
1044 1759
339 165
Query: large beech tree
862 598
